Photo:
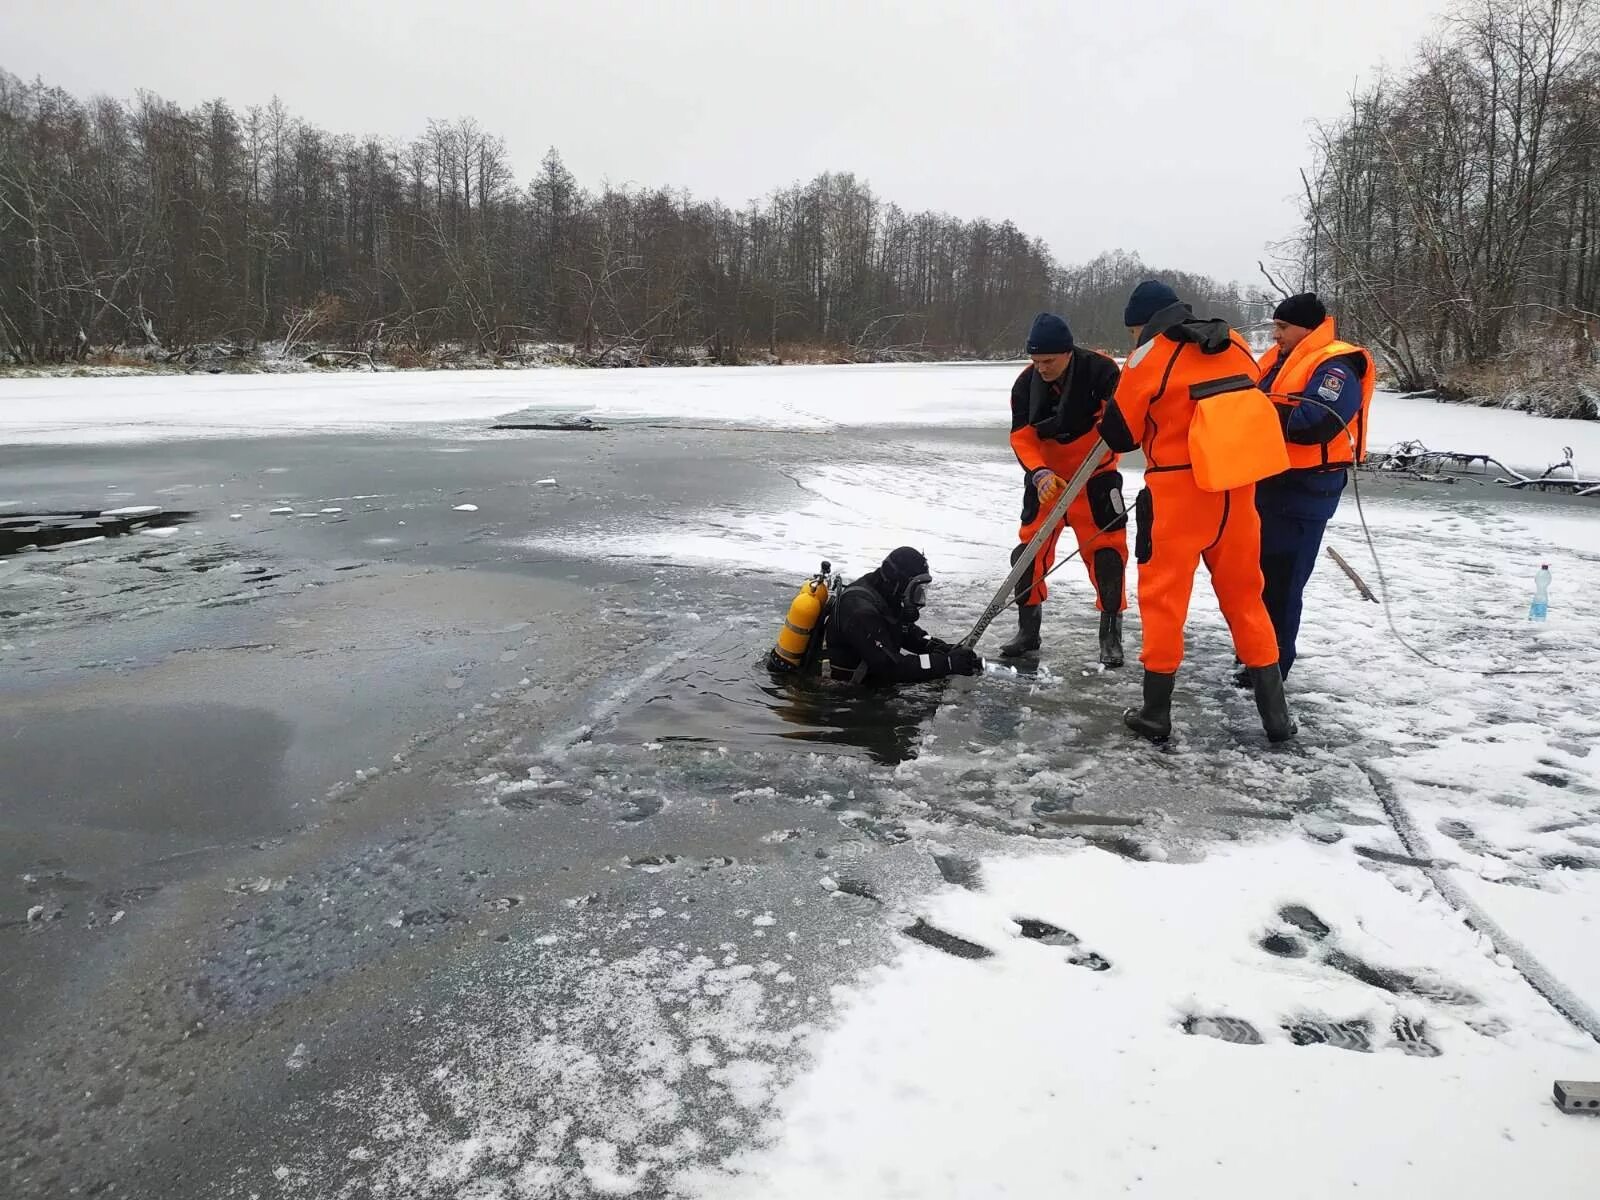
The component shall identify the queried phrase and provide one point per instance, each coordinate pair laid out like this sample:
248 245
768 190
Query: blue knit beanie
1149 298
1049 335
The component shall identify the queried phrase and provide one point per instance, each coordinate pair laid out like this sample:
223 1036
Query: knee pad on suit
1106 505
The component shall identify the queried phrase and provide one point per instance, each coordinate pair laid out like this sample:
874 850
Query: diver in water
873 636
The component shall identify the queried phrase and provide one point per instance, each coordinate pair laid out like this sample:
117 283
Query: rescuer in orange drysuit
1181 525
1055 403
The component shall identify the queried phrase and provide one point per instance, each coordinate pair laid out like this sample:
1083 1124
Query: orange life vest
1314 349
1164 380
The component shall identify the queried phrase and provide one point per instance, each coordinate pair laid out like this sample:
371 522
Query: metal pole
1024 563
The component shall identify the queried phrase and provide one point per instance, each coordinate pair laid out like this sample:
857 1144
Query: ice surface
134 510
812 398
950 1077
969 395
1025 1073
591 1096
849 513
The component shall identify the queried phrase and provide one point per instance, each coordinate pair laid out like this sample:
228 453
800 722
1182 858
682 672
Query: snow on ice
850 513
585 1097
1027 1075
1294 1006
1300 1005
952 395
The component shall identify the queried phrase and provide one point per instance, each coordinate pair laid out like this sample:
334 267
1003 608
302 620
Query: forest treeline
144 225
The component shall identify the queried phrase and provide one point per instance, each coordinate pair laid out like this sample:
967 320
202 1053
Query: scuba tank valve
801 622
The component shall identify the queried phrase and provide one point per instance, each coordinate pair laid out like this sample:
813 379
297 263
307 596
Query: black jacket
1063 412
1067 409
867 630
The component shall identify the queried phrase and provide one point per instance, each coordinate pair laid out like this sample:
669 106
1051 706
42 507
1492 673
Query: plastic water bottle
1540 608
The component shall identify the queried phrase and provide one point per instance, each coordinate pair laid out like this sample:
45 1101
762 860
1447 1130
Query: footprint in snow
853 896
1412 1037
1053 935
1462 834
1342 1035
963 872
1356 1035
1281 945
1328 953
1550 779
931 935
1305 920
1233 1030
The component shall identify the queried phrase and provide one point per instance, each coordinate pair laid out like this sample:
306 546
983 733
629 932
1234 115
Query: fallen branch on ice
1361 584
1414 459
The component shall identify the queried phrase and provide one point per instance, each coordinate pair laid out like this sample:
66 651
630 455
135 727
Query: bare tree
1451 210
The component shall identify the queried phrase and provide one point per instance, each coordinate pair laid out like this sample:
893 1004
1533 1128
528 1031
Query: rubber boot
1154 720
1242 679
1272 704
1111 639
1029 619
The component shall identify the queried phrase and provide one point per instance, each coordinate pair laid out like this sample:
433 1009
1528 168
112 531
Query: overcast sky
1168 127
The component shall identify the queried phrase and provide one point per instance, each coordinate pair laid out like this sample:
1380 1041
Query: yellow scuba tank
805 611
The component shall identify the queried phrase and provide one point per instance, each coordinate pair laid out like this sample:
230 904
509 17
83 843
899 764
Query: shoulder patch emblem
1332 385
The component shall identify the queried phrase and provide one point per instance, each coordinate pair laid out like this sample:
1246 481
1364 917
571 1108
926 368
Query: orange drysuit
1053 426
1179 524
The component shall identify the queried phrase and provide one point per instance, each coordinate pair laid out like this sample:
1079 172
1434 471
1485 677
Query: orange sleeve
1029 450
1130 403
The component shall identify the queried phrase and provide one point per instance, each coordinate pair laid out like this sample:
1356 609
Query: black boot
1111 639
1242 680
1029 618
1154 720
1272 704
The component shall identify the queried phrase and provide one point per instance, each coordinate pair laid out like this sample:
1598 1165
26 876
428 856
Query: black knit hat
1049 334
1149 298
1304 310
